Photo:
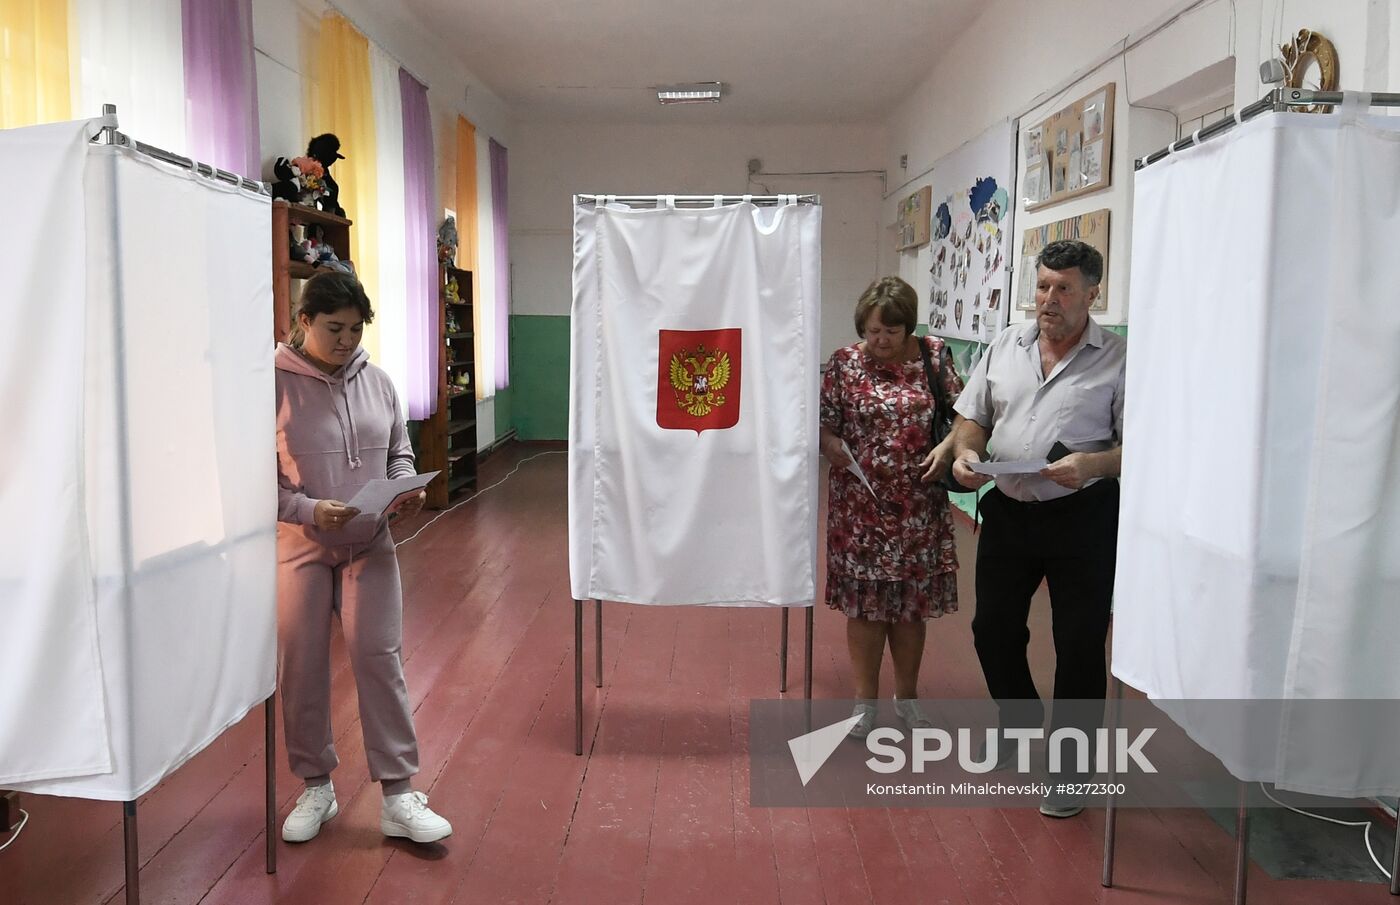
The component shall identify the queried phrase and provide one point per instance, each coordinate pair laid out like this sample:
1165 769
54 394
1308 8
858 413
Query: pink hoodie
335 433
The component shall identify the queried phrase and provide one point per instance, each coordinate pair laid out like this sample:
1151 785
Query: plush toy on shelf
326 150
447 241
454 294
320 252
299 180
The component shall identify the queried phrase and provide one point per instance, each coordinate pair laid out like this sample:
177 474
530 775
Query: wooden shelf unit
448 438
284 216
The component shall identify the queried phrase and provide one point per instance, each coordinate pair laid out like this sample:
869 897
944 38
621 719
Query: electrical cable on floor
548 452
24 818
1366 823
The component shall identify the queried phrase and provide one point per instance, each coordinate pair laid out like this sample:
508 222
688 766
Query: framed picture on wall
1071 151
1091 228
914 219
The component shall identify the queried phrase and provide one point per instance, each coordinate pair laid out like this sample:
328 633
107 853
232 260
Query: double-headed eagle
697 377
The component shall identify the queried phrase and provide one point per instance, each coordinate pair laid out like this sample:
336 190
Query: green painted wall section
539 378
504 408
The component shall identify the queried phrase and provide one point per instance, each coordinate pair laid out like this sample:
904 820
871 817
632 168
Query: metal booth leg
782 654
1242 845
1395 864
808 679
578 677
269 746
1110 824
133 854
598 647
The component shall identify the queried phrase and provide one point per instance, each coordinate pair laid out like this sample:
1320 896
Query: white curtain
178 506
485 307
391 300
46 588
131 53
1259 548
665 509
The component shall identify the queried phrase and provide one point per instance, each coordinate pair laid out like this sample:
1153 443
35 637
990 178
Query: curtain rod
1278 99
699 201
110 136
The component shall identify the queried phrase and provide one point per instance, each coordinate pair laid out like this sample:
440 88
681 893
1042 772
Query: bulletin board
1091 229
970 246
914 219
1070 153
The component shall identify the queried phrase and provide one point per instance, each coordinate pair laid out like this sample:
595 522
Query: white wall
554 161
1049 53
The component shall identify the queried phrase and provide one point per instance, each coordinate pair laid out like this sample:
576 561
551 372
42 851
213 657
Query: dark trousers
1071 543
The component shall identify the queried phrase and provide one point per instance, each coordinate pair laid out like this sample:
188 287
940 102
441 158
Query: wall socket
9 811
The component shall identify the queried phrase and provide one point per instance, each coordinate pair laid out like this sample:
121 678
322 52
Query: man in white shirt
1051 388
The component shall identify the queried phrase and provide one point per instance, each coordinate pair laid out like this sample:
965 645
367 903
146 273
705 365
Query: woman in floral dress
890 562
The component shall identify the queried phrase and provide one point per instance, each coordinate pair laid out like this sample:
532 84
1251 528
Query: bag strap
935 386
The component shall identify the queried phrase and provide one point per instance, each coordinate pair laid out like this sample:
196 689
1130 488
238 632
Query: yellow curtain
468 246
342 103
34 84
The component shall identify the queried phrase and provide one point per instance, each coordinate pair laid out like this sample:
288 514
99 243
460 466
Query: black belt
1094 490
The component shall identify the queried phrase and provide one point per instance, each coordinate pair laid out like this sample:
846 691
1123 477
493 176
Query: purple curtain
420 228
500 234
221 86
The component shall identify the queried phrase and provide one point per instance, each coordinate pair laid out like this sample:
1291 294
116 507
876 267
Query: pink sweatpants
360 584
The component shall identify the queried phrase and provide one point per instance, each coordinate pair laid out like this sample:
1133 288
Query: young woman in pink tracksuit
339 427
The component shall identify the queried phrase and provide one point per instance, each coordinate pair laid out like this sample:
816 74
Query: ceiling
789 61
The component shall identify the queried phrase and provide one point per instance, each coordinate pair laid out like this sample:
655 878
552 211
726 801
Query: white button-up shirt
1079 403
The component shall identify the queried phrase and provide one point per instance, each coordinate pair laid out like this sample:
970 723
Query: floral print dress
890 559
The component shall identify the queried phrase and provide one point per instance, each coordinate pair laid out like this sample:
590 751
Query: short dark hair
1067 253
328 292
894 299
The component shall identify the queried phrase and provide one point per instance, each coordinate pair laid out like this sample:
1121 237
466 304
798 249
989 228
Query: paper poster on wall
914 219
1091 228
1074 147
970 241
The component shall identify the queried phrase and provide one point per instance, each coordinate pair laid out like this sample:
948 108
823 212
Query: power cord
548 452
1366 823
24 818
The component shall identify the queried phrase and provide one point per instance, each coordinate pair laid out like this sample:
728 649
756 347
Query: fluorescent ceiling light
693 93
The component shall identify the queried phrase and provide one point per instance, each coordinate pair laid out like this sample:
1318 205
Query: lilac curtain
500 234
221 86
421 234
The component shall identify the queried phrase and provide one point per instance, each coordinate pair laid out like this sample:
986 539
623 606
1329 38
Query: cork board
914 213
1070 153
1091 228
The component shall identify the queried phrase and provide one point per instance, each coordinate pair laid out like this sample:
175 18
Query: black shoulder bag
942 416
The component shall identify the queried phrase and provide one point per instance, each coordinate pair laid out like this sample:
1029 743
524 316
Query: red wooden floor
656 811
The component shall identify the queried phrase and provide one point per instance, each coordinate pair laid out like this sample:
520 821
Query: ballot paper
855 469
1027 466
381 494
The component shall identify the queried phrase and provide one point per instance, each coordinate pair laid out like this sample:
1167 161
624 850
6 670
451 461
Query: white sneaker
409 816
865 724
908 711
314 807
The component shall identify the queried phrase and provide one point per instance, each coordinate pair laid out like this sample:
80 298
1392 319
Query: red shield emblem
697 381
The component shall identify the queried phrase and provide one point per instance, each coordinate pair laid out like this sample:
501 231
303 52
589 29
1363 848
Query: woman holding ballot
338 428
890 560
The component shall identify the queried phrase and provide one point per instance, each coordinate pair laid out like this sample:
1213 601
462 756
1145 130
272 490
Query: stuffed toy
447 241
316 251
326 149
299 180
